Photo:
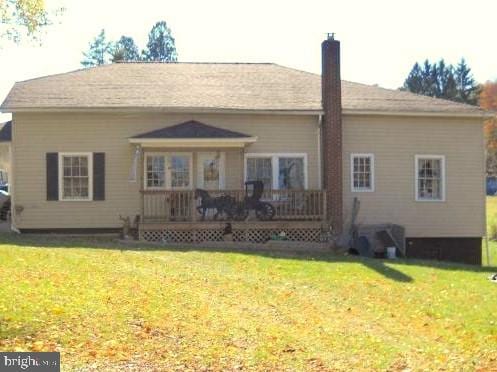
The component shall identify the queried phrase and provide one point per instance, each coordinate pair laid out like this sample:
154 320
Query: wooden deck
181 206
172 216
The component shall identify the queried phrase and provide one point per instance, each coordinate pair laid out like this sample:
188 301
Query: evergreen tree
118 55
441 78
443 81
161 45
467 89
450 90
422 80
429 79
99 51
414 82
125 50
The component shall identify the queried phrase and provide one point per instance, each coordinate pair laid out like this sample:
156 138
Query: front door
210 170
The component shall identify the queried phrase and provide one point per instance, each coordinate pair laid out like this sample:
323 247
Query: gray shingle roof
209 86
192 129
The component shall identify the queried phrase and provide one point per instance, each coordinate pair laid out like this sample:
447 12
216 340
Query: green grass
103 307
491 221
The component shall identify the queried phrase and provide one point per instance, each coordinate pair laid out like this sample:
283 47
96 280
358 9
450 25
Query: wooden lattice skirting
254 233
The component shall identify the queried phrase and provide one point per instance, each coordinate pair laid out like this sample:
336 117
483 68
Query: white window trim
416 178
167 158
274 164
372 183
89 155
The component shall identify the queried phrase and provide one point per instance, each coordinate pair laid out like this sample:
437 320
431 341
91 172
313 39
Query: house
136 139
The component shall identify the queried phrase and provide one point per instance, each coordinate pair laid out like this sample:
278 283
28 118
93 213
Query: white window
155 169
362 172
168 171
430 177
277 171
180 171
210 170
291 173
260 169
75 176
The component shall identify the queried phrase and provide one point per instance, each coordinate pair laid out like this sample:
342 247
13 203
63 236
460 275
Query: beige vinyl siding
234 169
395 142
39 133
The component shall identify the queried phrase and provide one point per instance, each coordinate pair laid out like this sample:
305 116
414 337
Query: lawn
104 308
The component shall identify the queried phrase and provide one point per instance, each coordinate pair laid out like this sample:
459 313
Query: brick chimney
332 131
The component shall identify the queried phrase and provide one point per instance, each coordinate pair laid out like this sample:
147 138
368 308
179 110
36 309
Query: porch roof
192 133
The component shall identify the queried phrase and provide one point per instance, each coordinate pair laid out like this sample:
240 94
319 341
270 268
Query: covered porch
177 161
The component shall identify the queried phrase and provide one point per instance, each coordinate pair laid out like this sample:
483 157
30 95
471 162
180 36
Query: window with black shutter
75 176
52 176
98 176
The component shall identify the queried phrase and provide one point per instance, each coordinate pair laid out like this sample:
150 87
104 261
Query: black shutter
52 176
98 176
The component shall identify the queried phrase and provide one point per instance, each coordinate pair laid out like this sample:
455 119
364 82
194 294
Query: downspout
244 168
484 186
13 214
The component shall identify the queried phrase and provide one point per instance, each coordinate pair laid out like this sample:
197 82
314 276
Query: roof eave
171 110
203 110
475 115
193 142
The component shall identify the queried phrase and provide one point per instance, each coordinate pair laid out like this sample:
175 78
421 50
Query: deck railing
181 206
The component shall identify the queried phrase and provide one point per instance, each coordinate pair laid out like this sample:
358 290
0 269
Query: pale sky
380 39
